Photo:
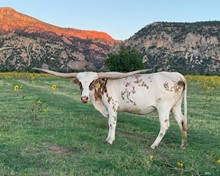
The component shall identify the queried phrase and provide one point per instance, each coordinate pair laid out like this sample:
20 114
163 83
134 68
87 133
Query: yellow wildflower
180 164
218 161
44 109
38 102
16 87
151 157
54 86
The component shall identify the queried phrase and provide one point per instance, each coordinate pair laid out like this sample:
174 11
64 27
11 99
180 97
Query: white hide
134 93
142 94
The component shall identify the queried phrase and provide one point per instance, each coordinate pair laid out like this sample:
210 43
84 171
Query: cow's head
88 80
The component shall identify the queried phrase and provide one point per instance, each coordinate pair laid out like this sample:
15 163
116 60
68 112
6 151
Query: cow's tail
185 103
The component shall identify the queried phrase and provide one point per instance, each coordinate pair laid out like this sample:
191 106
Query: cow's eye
80 86
92 85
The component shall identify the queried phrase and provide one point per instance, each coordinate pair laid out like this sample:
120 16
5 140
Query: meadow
46 131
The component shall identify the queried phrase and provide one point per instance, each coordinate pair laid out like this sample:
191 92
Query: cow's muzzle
84 99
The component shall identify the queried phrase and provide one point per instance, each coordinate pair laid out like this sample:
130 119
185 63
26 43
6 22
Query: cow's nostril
84 99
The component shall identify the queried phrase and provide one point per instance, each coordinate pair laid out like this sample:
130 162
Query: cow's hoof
183 146
153 146
109 141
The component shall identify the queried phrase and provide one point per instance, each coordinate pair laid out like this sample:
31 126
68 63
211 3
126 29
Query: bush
127 59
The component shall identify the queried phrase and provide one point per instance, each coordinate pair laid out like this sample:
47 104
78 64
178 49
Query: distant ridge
174 46
11 20
26 42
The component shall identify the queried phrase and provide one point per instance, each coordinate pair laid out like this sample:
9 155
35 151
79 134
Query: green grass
50 132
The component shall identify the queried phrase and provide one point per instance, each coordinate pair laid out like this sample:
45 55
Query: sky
120 19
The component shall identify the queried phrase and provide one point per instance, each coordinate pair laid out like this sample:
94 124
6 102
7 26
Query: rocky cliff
26 42
185 47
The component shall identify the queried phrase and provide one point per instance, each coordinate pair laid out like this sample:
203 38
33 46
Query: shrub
127 59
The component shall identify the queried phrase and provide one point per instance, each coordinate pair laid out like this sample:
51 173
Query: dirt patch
55 148
143 137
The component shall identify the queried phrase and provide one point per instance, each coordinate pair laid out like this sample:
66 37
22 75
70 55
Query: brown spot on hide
158 100
145 85
127 84
92 85
99 91
133 90
114 108
138 80
122 94
180 85
109 98
125 95
166 86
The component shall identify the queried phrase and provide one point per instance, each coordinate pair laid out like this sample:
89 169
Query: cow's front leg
112 121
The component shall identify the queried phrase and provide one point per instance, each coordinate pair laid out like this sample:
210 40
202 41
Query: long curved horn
62 75
118 75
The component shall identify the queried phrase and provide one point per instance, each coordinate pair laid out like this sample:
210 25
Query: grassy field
46 131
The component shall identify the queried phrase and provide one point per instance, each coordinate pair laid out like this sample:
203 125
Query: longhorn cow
113 92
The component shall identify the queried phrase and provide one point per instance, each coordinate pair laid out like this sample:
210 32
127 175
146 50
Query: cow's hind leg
164 125
182 122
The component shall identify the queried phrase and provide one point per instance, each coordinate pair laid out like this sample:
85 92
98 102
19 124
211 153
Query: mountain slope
27 42
185 47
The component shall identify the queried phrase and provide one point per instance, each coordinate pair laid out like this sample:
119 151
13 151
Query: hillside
26 42
185 47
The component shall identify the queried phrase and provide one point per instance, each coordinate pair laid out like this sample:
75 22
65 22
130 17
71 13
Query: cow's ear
75 81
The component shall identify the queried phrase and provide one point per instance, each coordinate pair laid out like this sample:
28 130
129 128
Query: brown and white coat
135 93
